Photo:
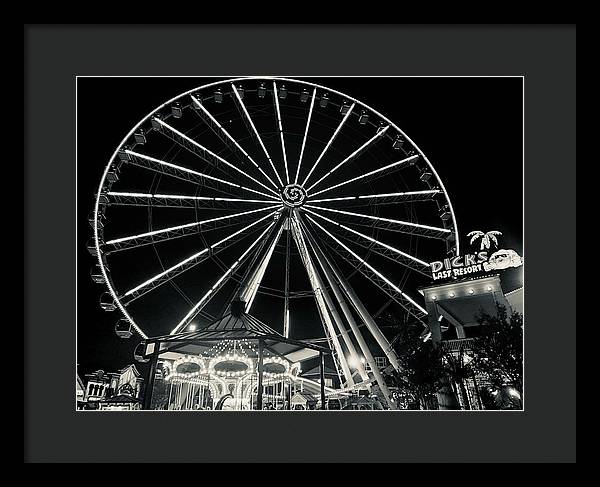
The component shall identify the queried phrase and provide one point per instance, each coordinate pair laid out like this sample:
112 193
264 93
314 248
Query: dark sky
469 128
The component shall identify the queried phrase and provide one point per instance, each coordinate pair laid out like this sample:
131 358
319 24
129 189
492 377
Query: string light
240 383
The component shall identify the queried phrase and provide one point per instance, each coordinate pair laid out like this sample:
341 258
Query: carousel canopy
235 327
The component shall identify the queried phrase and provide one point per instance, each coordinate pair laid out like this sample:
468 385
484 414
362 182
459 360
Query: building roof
461 282
465 309
303 396
136 372
315 371
515 299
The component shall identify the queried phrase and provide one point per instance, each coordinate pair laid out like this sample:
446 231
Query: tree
422 369
459 370
498 352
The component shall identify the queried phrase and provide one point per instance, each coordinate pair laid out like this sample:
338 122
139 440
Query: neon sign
482 261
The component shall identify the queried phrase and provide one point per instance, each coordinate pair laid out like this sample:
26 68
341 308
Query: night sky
469 128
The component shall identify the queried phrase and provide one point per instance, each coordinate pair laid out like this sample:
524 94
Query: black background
469 128
545 55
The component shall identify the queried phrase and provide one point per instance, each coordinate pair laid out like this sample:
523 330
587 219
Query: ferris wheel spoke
177 231
186 174
310 111
179 201
355 154
373 274
280 127
206 154
211 121
219 283
333 137
240 103
370 175
189 262
382 198
381 248
391 224
250 289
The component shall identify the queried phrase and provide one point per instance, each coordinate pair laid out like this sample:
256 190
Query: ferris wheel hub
293 196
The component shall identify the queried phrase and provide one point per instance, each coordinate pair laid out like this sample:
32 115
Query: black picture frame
544 55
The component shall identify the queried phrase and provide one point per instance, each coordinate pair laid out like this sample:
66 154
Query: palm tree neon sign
486 238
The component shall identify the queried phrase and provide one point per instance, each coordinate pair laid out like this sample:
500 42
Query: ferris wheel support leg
327 270
365 348
343 305
286 306
337 320
382 341
322 298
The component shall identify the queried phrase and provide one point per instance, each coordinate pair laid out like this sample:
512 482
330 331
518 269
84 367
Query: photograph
305 244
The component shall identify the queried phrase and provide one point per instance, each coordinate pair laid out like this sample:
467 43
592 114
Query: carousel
235 363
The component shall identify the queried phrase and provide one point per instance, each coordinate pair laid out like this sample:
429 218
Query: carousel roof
233 326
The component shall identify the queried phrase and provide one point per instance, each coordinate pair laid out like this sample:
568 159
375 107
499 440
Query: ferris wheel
239 170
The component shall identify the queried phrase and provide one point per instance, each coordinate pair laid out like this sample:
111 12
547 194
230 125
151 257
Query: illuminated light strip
252 289
196 173
337 130
192 312
194 256
170 269
370 173
239 99
381 195
287 174
228 135
184 197
364 262
312 104
188 225
378 218
371 239
219 158
351 156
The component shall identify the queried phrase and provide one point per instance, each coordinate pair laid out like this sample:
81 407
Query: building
121 390
80 396
453 308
